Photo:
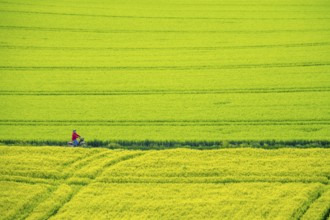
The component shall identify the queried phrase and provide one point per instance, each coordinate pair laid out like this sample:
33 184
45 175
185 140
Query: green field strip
164 50
185 18
198 3
201 5
261 106
44 135
223 19
164 81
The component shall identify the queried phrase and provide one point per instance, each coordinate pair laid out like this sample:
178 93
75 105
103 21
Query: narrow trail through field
109 163
77 164
62 191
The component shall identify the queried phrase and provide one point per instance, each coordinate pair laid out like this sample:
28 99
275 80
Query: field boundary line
185 68
128 31
162 122
173 144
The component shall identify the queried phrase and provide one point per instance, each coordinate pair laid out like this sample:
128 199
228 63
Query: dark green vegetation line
162 145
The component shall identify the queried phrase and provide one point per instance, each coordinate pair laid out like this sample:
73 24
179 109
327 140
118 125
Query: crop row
161 122
164 92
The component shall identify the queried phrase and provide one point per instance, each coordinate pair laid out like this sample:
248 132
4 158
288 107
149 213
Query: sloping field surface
71 183
165 70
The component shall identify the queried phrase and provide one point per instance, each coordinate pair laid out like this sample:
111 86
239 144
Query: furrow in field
201 67
30 180
223 19
32 47
160 122
119 16
213 180
130 31
208 4
164 92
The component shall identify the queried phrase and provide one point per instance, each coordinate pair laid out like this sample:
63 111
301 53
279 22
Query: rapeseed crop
180 183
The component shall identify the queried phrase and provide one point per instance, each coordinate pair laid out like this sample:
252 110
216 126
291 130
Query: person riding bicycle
74 138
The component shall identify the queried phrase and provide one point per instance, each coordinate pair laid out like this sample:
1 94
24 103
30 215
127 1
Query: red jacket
75 136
